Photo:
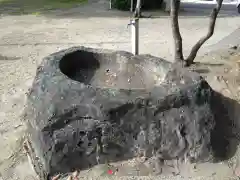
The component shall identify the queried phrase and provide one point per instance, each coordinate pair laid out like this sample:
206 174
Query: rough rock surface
89 106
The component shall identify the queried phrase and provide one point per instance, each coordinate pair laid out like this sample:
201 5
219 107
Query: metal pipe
135 35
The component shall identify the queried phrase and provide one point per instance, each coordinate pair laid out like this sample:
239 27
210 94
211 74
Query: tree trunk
178 54
198 45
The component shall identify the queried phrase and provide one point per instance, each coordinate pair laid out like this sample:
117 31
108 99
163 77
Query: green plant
123 5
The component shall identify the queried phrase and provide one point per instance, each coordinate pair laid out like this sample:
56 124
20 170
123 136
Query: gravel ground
26 39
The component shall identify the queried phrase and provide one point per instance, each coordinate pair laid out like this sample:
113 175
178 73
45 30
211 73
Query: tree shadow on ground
222 58
204 68
7 58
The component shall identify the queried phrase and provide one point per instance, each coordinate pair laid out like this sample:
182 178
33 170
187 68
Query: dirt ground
26 39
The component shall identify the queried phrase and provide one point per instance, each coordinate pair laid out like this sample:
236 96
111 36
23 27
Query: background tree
178 51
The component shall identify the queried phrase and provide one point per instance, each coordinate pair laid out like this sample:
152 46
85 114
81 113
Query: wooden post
135 35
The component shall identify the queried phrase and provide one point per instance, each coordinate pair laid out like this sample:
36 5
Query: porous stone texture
89 106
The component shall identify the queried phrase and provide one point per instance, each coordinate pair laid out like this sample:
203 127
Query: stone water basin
92 106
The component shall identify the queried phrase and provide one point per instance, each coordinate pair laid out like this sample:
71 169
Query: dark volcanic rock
88 106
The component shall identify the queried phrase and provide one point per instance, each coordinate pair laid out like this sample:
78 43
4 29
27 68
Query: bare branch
178 52
198 45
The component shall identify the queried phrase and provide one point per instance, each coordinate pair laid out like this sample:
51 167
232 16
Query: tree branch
198 45
178 52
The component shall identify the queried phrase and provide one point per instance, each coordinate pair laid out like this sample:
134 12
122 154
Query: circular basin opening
112 70
79 66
